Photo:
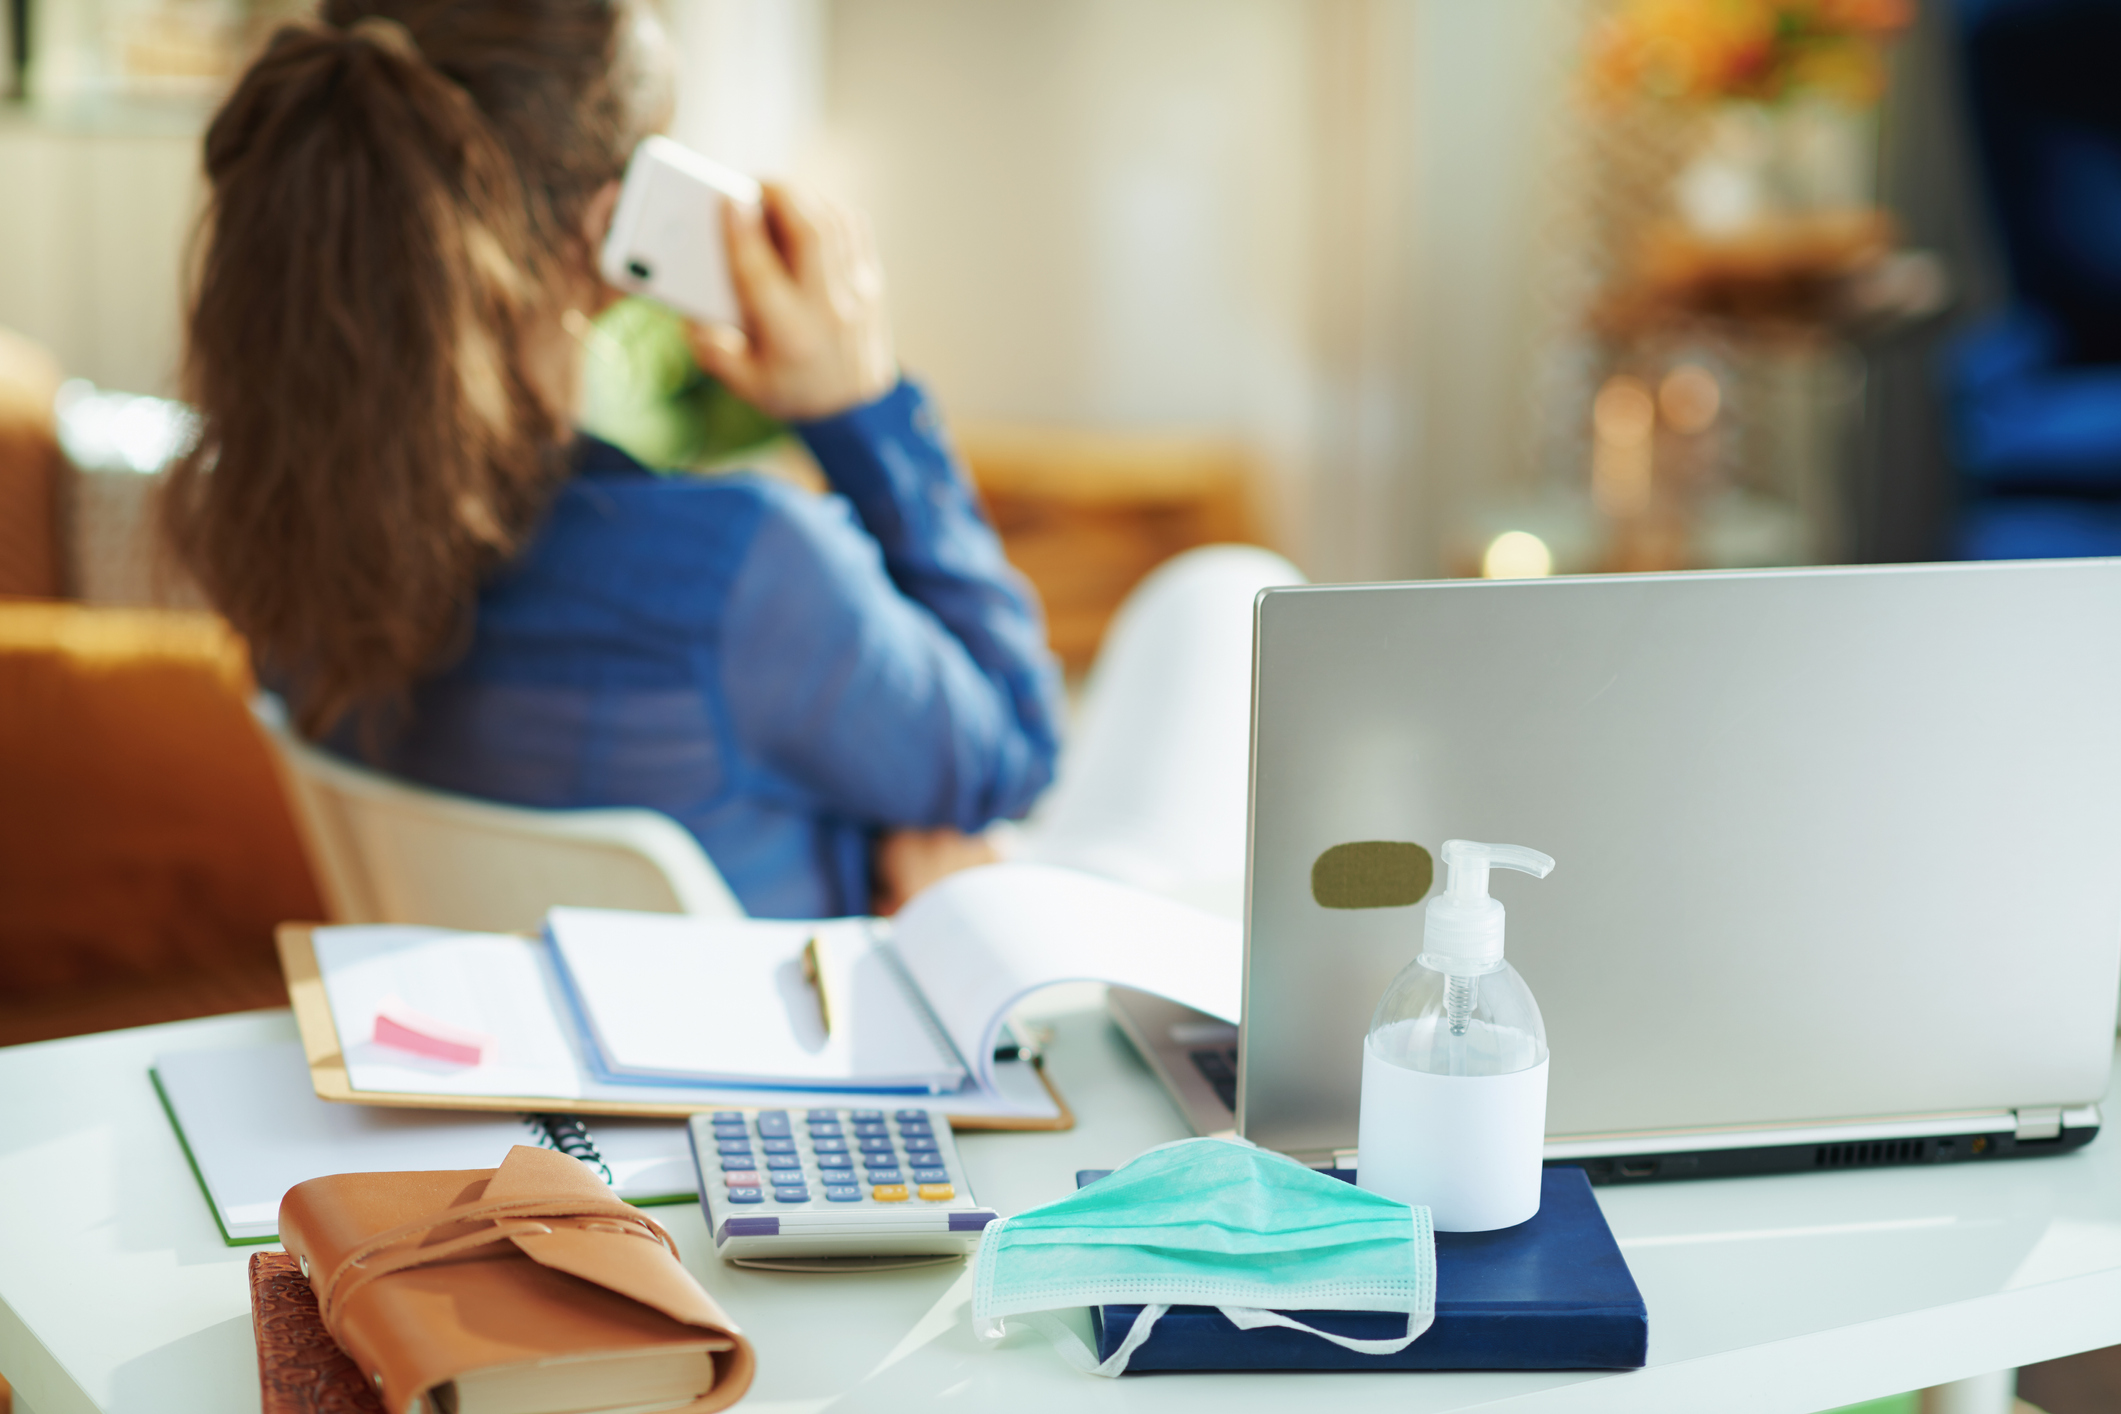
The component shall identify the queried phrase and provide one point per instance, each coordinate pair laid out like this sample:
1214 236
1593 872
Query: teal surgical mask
1209 1222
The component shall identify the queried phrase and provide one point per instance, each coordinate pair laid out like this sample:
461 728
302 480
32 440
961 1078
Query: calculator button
829 1146
746 1195
728 1116
915 1126
920 1146
874 1144
741 1180
791 1195
889 1193
731 1131
938 1192
886 1176
773 1124
733 1146
778 1146
868 1129
824 1131
866 1116
879 1161
910 1114
737 1163
834 1161
822 1116
784 1161
931 1175
843 1193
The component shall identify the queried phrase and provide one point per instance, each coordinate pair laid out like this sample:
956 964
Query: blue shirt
785 674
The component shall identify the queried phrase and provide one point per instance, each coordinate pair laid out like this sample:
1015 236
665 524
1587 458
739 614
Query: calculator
834 1183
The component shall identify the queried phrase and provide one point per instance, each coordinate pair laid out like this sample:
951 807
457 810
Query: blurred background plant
1762 50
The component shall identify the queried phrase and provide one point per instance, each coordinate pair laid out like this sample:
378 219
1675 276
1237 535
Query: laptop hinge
2042 1122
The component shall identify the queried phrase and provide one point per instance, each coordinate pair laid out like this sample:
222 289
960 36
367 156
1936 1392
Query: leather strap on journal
399 1248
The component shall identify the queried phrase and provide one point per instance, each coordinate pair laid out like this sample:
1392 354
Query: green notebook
253 1128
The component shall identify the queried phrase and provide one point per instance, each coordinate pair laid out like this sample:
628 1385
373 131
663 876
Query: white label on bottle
1466 1146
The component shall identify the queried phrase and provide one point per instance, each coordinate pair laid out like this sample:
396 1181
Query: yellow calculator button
889 1193
938 1192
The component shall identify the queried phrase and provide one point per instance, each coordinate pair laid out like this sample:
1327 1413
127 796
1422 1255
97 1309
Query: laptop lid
1833 844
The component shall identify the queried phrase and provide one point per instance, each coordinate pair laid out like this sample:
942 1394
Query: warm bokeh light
1624 411
1517 554
1689 398
1623 417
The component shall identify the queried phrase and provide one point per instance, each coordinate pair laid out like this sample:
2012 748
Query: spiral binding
571 1137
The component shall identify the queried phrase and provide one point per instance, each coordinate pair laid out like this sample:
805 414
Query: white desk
1786 1294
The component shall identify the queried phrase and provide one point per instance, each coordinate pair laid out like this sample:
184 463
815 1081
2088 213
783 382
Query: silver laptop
1839 850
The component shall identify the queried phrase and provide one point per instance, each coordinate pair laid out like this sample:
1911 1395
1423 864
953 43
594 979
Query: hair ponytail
385 257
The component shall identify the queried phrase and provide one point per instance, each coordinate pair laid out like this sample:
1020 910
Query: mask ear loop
1070 1346
1247 1318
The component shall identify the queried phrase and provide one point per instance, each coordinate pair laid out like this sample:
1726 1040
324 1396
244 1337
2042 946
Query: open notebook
659 1014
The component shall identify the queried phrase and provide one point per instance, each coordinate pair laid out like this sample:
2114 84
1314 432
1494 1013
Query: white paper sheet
710 1001
979 942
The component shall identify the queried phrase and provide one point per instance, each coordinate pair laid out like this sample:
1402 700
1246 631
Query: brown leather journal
526 1289
301 1369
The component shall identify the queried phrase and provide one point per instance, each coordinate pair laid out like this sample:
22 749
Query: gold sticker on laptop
1372 874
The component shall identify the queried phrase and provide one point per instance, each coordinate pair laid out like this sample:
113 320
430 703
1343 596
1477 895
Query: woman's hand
815 341
908 861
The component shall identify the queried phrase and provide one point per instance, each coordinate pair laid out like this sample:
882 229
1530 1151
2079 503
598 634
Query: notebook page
978 942
255 1129
714 1001
495 983
509 987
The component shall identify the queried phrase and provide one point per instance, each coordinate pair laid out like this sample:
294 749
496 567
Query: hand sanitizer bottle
1454 1070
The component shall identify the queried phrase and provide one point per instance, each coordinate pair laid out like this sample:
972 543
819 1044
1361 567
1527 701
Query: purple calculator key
917 1144
784 1161
874 1144
746 1195
885 1176
872 1131
824 1131
791 1195
843 1192
739 1163
834 1161
829 1146
867 1116
773 1123
777 1146
822 1116
909 1114
728 1116
931 1175
732 1146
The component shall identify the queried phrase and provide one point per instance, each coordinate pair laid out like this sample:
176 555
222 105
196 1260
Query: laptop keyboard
1218 1066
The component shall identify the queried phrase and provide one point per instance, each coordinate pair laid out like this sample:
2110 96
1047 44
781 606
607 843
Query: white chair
388 852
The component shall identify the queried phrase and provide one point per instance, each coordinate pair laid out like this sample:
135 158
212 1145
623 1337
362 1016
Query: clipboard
321 1047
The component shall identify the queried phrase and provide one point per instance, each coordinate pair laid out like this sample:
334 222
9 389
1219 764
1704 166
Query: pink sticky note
399 1025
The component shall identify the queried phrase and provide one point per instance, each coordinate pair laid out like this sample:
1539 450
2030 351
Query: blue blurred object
2036 392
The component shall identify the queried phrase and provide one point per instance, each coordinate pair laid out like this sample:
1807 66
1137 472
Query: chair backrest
388 852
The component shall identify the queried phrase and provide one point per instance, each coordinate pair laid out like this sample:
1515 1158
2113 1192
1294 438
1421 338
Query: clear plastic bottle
1454 1077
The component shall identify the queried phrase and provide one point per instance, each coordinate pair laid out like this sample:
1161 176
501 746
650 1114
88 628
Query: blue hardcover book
1550 1294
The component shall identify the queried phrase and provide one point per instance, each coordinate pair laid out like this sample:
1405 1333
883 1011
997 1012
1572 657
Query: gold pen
814 973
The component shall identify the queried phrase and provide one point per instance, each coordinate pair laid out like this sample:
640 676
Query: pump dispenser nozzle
1462 935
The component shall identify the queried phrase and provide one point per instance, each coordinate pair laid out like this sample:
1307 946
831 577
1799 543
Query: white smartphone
666 233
